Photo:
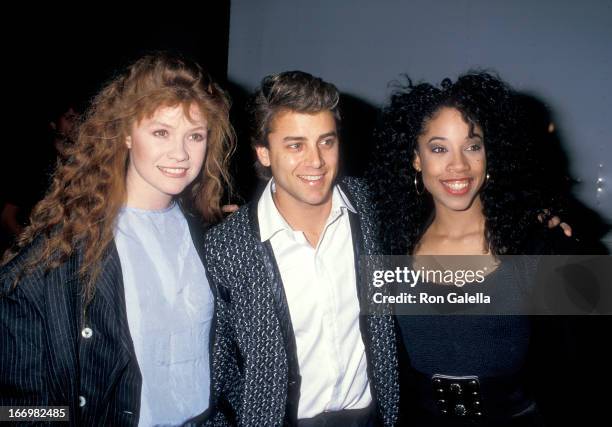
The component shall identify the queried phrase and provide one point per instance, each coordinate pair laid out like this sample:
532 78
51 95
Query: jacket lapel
360 252
108 349
282 312
61 298
197 229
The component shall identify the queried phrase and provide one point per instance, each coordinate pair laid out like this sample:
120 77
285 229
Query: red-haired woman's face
166 153
452 162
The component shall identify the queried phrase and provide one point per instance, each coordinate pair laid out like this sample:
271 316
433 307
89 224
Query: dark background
58 57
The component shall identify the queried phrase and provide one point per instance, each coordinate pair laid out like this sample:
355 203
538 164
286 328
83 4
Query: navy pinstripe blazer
52 352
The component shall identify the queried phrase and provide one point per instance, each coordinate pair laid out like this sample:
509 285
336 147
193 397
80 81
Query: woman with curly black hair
500 192
451 177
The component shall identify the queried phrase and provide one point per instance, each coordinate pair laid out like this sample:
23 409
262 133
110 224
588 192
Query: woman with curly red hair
112 253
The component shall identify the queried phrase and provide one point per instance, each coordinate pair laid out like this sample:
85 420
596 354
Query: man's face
303 155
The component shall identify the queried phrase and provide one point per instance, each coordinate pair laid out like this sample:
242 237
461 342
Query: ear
128 142
416 162
263 154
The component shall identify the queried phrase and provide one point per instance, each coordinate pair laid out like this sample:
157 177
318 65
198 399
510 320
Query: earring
486 181
416 184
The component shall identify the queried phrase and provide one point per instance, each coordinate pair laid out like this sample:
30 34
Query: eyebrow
440 138
436 138
328 134
158 123
303 138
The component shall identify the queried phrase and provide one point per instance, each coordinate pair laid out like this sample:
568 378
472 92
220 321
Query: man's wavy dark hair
510 201
295 91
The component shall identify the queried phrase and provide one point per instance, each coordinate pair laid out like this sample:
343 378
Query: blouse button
86 332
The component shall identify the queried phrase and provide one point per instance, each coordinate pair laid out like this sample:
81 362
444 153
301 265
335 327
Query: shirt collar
272 222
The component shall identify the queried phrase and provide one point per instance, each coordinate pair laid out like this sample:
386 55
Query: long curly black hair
511 203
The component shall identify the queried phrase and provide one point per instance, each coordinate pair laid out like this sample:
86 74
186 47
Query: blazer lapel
282 311
61 296
197 229
105 343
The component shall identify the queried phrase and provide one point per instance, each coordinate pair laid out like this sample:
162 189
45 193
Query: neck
456 224
304 217
143 197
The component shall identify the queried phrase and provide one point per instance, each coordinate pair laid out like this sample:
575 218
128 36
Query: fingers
543 215
567 229
554 221
229 208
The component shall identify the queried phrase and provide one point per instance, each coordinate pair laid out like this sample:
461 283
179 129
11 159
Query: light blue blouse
169 310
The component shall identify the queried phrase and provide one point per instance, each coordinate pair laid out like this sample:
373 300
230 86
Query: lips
311 179
457 187
173 172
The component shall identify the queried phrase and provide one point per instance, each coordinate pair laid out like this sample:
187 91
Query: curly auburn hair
509 197
89 184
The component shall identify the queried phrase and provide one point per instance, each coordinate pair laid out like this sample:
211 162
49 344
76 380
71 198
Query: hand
228 209
556 221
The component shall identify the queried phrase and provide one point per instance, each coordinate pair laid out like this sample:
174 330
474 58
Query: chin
174 191
459 205
315 200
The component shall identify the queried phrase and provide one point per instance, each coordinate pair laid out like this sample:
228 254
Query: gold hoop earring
416 184
486 181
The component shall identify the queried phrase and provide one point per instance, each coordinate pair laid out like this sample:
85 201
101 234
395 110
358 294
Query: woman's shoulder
17 263
16 283
19 272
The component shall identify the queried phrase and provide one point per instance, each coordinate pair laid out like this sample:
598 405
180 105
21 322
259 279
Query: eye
474 147
438 149
161 133
198 137
295 146
328 142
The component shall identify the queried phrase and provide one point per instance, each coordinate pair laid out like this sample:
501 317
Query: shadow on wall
552 164
246 183
356 142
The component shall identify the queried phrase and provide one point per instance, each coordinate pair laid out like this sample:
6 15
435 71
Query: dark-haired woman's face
452 160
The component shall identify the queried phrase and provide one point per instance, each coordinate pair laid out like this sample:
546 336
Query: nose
458 163
177 151
314 158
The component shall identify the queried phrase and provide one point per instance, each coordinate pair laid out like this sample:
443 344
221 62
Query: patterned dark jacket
255 373
53 353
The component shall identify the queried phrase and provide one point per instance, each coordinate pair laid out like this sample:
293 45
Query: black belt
473 399
458 396
365 417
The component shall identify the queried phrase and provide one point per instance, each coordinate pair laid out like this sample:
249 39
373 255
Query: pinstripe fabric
46 359
255 377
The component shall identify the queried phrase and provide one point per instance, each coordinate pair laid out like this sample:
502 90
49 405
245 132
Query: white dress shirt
321 290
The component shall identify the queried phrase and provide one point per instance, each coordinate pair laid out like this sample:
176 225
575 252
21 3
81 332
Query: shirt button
86 332
82 401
